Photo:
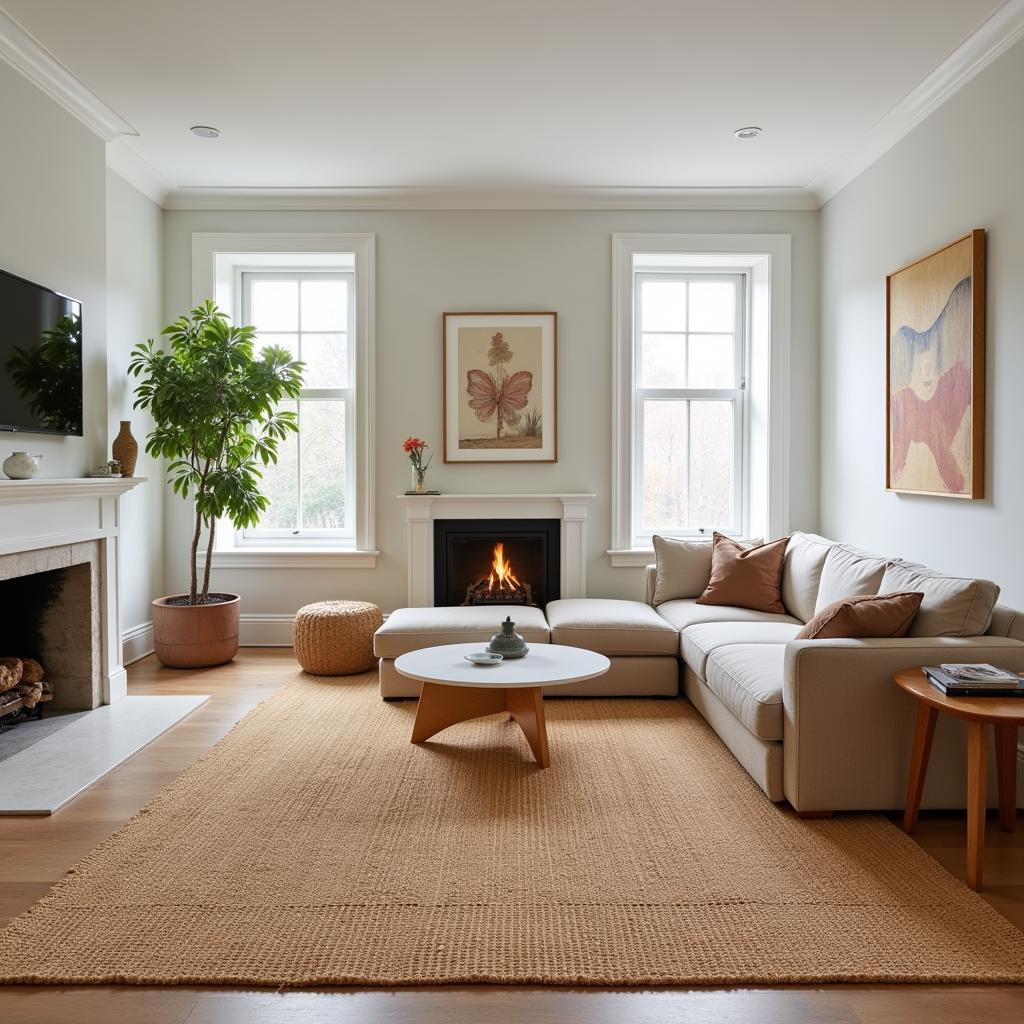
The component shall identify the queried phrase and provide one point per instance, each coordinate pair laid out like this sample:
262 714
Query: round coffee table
454 690
1005 714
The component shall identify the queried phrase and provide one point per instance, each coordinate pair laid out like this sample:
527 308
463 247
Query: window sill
631 557
292 558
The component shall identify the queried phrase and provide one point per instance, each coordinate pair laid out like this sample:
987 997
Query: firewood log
30 693
31 671
10 672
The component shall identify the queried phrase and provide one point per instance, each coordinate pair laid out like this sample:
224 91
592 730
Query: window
311 487
700 388
689 375
313 293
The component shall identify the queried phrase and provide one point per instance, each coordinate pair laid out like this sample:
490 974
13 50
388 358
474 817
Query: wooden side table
1005 714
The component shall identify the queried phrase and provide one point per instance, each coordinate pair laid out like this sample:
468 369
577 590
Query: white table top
545 665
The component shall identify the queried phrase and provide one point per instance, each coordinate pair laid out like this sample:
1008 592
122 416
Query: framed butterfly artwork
500 402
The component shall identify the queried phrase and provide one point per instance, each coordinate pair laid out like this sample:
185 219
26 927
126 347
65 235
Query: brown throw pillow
864 618
746 577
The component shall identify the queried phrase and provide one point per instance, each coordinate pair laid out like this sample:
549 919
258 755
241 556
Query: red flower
413 444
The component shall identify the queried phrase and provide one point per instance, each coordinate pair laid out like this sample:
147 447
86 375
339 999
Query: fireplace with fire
496 561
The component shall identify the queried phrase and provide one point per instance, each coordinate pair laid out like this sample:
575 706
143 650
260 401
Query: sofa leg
813 815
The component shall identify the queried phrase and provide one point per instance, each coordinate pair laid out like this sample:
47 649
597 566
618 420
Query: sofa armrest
847 727
650 579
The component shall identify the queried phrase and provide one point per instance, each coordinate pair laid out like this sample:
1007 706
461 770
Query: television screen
40 359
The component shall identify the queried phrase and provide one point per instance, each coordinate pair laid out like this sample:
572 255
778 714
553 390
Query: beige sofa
820 723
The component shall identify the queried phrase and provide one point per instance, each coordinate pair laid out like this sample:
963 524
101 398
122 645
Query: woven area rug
315 845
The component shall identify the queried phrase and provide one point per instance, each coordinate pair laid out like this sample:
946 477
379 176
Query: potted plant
214 404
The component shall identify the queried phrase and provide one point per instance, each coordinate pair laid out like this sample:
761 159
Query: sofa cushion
849 572
611 627
699 641
952 605
801 573
683 567
876 617
746 577
688 613
411 629
747 678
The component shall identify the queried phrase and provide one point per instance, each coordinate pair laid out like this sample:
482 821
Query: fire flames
501 577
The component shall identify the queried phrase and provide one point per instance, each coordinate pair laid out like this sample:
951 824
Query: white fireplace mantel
422 509
48 513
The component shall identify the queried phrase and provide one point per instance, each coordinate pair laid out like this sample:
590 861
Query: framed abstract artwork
500 402
935 373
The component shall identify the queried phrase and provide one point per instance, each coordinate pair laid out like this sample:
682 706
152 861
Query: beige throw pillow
864 618
746 577
952 606
683 567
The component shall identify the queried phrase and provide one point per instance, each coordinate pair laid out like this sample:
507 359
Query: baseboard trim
265 630
137 642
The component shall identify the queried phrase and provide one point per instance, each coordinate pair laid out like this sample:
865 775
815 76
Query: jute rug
315 845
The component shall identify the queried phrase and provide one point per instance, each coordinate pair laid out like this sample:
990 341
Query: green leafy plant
214 403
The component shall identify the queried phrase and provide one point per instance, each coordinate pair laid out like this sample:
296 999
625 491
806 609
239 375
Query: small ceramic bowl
484 658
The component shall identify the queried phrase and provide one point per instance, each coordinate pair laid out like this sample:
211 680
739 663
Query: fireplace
50 631
496 561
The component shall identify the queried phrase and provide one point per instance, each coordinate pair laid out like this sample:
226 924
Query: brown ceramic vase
195 636
125 449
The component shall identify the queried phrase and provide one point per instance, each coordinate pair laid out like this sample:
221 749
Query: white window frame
264 536
766 260
736 395
218 261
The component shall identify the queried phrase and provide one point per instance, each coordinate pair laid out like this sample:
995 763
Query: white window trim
768 258
215 257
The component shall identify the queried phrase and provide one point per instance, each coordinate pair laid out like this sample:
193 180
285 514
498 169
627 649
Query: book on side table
970 680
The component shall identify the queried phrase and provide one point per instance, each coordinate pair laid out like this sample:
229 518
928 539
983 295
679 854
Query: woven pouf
335 638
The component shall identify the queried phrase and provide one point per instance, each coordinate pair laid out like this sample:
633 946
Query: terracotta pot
195 636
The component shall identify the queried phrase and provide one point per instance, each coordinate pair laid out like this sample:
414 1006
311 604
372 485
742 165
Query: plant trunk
209 559
195 551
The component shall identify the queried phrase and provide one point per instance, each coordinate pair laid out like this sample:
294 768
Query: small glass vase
419 480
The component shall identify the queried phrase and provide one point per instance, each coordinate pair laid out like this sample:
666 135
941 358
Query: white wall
53 231
135 313
962 168
432 261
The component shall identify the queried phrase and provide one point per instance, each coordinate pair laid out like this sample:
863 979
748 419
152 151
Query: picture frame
500 387
935 372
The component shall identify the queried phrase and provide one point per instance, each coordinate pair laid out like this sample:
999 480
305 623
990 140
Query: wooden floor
36 852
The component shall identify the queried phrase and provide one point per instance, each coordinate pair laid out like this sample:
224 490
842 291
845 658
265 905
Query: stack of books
957 680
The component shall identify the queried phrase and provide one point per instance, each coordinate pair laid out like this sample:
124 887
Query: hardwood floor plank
38 851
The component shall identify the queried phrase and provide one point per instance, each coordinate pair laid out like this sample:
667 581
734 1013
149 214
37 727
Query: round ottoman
335 638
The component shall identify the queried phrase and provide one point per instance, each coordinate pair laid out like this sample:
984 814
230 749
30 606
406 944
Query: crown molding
455 198
26 54
992 39
126 161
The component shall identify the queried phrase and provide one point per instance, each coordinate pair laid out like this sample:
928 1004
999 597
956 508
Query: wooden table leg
441 706
526 704
1006 771
924 731
977 790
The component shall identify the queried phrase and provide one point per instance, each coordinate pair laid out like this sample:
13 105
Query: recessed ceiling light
742 133
204 131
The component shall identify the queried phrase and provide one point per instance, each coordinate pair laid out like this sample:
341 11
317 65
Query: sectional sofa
818 723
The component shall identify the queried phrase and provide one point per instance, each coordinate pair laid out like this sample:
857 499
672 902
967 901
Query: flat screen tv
40 359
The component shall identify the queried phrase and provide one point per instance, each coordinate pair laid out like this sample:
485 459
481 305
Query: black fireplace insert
497 561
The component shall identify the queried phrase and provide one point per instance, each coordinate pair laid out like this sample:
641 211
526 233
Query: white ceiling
488 94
